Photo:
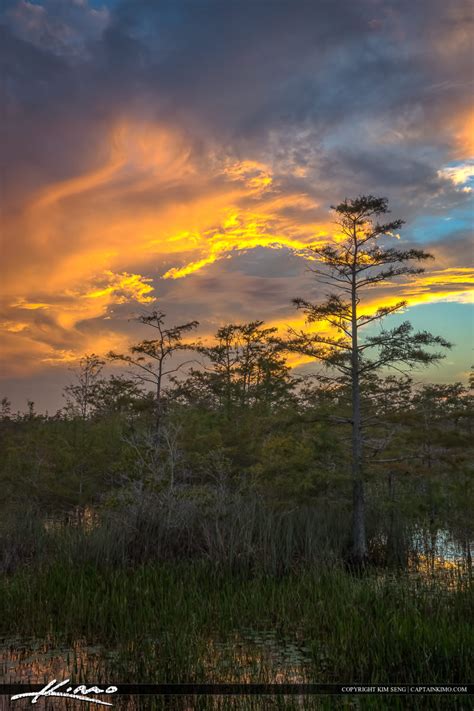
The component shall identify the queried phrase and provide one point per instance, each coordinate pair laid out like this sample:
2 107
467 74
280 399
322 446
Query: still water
248 655
245 655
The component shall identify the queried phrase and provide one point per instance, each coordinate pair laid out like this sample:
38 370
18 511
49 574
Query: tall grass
163 616
173 588
232 531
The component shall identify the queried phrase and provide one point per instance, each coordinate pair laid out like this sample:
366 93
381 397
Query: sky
183 154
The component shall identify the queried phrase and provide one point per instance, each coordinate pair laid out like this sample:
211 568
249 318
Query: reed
162 618
173 589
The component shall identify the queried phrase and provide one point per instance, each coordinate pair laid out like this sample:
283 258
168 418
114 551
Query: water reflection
37 661
258 656
246 655
439 557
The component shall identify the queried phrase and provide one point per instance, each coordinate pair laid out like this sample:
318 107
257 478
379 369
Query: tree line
185 412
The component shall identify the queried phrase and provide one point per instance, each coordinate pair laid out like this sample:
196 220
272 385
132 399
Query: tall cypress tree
351 267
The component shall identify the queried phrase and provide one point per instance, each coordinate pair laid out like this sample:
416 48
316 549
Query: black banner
253 689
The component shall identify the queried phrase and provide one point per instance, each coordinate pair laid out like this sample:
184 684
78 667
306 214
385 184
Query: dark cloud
238 73
325 98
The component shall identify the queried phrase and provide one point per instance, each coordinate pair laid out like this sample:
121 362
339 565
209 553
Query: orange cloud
255 175
462 129
151 205
240 231
451 284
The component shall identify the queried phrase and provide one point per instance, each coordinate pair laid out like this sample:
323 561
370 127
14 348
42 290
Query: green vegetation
238 522
175 622
402 629
224 470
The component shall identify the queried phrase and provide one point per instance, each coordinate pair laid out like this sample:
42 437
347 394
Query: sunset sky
182 155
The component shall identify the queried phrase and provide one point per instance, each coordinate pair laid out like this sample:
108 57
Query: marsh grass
224 528
226 593
161 620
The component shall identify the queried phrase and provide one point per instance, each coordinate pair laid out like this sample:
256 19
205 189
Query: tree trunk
158 406
359 542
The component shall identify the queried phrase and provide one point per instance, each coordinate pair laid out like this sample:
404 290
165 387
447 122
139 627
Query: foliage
351 266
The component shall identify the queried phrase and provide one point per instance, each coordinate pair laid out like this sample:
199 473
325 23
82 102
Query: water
245 655
259 655
440 558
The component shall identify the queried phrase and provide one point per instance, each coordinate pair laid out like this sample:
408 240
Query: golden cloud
459 174
151 204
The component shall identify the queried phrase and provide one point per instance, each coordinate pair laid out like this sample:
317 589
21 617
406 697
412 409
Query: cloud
460 173
189 152
61 26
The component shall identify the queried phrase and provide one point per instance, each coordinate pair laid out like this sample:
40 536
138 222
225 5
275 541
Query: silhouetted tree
5 408
350 267
149 358
120 395
81 395
246 368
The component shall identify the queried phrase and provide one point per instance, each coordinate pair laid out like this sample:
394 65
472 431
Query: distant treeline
191 426
240 440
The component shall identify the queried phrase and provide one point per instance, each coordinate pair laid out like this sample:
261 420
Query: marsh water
266 654
248 655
